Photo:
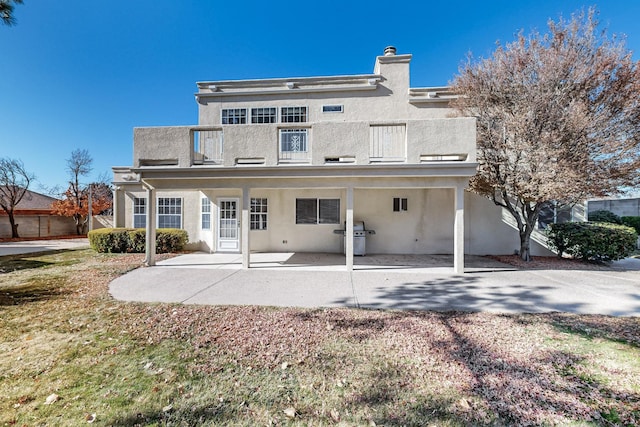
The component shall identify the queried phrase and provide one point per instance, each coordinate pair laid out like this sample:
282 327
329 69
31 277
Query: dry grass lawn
70 355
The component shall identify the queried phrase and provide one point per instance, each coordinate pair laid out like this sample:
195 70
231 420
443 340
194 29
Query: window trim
258 219
142 216
300 112
333 108
317 205
400 204
235 120
159 207
205 212
255 116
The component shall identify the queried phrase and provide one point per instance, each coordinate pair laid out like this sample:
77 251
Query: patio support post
244 230
348 241
458 231
150 234
114 207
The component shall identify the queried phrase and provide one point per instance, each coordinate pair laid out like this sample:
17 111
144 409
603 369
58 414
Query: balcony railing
295 146
208 146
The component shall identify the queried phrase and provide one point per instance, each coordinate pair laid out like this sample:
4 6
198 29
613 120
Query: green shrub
632 221
604 216
114 240
591 241
109 240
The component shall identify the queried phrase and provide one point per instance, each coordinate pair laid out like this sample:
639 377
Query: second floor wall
361 142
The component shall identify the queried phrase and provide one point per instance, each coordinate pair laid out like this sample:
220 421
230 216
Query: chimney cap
389 51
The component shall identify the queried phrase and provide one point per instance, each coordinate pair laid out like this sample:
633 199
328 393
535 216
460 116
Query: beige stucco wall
425 228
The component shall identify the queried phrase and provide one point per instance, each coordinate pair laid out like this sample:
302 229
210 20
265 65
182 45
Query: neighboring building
35 218
620 207
279 164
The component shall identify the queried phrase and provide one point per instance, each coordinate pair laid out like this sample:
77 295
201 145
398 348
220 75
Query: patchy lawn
70 355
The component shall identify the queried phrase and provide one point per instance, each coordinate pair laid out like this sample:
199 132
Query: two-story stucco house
279 164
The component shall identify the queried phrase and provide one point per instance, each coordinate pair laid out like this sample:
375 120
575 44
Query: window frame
258 213
139 212
333 108
162 216
291 131
258 115
294 114
316 218
233 116
205 213
400 204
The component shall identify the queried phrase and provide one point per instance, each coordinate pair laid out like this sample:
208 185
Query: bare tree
558 119
6 11
14 185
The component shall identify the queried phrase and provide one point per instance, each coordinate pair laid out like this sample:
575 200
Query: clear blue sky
82 74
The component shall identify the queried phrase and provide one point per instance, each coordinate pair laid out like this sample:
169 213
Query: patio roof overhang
438 174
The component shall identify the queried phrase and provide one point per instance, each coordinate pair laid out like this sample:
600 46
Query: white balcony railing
294 146
208 146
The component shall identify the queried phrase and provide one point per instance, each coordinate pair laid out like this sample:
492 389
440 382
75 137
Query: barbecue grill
360 234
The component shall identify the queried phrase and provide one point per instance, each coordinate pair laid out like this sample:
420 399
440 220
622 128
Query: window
293 140
293 114
234 116
317 211
387 143
554 213
205 209
169 212
263 115
139 212
332 109
399 204
258 215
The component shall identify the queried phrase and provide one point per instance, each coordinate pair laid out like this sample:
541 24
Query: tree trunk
14 226
525 243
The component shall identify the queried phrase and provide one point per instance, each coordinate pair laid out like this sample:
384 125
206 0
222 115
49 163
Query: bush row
133 240
592 241
610 217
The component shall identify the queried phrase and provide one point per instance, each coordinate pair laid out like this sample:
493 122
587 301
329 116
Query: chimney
389 51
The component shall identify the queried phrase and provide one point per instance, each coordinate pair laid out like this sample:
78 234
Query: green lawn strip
161 364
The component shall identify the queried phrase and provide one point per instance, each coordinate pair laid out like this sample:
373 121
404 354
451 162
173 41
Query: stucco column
114 208
150 238
244 229
458 230
348 241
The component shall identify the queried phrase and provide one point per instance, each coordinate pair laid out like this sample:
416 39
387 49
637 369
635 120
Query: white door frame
228 225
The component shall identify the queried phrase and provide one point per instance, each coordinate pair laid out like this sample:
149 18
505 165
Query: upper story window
263 115
294 145
332 108
234 116
293 114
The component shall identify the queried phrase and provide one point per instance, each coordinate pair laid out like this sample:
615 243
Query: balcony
208 147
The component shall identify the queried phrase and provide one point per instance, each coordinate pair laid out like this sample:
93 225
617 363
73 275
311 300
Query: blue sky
80 74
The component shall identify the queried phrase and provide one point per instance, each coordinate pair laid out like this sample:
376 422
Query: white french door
228 225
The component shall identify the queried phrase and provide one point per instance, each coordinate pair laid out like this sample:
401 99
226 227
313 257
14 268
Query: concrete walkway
32 246
383 282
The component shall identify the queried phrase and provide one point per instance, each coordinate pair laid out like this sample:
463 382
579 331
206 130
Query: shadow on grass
12 263
37 289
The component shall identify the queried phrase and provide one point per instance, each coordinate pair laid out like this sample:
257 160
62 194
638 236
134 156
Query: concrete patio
382 282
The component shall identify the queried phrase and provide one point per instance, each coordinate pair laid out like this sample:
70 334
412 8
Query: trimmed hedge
592 241
604 216
133 240
632 221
